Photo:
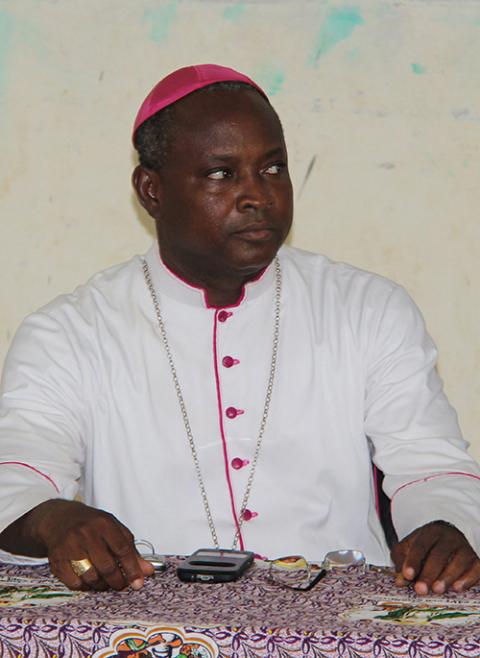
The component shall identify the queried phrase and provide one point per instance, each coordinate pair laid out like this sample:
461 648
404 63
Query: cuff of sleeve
22 560
17 503
454 498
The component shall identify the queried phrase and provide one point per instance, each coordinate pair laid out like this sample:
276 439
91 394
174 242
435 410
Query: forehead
226 116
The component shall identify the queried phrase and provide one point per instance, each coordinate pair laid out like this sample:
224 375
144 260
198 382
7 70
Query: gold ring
79 567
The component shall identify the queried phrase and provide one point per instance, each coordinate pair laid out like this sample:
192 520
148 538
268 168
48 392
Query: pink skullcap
182 82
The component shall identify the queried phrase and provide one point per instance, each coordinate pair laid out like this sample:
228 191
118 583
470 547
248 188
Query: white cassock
89 408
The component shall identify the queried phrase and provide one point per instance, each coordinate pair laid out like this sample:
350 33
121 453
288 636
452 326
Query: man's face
225 195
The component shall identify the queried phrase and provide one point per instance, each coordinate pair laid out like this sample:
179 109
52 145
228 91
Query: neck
216 297
219 291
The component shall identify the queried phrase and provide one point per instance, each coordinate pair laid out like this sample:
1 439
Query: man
226 390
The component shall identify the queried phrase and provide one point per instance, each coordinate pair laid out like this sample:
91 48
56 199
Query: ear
147 184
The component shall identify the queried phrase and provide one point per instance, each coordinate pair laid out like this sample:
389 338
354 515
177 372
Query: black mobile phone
214 565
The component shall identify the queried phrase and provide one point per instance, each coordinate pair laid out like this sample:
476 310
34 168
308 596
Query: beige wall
382 97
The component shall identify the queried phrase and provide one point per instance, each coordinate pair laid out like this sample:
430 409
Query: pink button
224 315
231 412
238 463
229 361
248 515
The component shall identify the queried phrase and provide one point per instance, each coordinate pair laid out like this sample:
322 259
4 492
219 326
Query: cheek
215 210
285 204
195 214
207 222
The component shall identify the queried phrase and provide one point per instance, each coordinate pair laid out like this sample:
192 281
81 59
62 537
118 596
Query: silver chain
183 408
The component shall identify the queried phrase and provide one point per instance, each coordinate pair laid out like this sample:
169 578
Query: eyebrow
230 157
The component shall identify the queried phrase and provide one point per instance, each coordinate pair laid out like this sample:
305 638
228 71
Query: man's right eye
219 174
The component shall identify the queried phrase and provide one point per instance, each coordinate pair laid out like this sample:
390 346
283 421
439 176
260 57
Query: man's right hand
65 530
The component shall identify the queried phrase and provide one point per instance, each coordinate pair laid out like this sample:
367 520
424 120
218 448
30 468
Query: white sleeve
416 439
42 418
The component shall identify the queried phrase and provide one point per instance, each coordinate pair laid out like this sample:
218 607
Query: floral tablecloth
347 614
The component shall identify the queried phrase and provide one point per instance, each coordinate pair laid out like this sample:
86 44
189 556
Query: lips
256 232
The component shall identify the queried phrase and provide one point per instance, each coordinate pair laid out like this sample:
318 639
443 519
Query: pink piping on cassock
222 432
217 378
32 468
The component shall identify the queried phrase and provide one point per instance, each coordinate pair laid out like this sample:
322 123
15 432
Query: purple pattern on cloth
250 618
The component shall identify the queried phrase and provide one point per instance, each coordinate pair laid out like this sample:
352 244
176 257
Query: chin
251 261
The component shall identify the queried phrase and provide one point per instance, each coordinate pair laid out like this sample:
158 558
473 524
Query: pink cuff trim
35 470
431 477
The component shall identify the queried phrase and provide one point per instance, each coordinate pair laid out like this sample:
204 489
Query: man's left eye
219 174
274 169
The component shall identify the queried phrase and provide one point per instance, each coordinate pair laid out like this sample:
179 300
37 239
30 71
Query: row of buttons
232 412
228 362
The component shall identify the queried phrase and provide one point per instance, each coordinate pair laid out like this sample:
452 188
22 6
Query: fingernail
409 573
137 583
421 588
458 585
438 587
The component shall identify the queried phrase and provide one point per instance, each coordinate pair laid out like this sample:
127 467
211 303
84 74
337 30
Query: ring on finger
79 567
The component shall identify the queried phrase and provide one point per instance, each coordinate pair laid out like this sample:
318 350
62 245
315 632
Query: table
348 615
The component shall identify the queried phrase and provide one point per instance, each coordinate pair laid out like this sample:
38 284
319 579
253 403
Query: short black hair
153 138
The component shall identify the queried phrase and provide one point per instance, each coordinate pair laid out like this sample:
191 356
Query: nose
254 193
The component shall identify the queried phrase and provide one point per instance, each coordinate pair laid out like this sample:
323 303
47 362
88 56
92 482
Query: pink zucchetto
182 82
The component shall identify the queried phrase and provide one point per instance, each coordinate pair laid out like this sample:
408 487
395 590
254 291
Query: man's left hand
436 557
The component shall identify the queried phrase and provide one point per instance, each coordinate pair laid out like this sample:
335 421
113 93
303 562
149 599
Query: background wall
381 106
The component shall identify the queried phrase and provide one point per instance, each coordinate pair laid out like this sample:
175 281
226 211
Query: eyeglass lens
344 559
295 572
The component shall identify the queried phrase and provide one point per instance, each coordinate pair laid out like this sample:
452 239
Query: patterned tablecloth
351 615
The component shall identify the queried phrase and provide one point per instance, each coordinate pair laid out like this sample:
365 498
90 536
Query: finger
82 546
93 580
433 566
469 578
114 556
90 578
113 566
62 569
120 543
419 548
106 571
459 564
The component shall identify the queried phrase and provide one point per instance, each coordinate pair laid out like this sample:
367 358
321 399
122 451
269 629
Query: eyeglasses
294 572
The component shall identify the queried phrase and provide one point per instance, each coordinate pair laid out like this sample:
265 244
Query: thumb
146 567
398 554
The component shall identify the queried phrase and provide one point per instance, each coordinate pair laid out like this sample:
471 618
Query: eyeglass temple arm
321 574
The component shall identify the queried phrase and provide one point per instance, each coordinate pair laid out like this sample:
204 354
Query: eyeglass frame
328 564
158 561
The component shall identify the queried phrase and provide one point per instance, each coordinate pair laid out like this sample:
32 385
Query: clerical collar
168 283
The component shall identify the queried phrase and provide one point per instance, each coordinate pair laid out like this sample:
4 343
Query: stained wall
381 107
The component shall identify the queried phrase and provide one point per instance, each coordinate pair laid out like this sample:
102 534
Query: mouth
256 233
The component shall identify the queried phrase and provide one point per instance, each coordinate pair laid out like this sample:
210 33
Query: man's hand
436 557
66 530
